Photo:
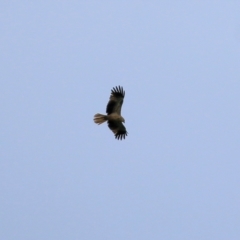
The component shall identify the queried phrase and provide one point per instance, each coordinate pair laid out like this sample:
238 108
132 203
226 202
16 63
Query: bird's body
113 116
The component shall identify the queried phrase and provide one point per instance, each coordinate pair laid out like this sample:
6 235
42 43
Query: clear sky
177 174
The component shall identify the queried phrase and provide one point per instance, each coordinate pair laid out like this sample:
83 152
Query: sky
175 176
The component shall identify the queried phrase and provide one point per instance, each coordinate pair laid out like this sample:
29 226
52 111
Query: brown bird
113 116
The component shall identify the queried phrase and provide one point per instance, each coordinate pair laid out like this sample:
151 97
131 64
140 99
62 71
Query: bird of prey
113 116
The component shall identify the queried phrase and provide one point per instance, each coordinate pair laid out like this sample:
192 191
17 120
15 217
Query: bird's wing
118 129
116 100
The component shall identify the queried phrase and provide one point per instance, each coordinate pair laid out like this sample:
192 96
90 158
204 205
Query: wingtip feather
118 90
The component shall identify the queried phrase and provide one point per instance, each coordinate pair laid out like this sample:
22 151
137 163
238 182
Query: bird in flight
113 117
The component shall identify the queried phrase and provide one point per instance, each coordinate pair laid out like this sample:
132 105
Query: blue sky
176 175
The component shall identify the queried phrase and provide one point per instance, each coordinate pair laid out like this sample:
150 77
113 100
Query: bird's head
123 120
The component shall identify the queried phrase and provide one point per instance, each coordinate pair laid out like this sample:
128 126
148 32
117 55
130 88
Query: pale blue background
177 174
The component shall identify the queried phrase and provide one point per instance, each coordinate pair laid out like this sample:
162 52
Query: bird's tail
99 118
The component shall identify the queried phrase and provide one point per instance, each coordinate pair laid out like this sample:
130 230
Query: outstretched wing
118 129
116 100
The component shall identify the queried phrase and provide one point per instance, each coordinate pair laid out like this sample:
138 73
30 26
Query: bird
113 110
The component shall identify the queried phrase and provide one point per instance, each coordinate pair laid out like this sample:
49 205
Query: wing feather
118 129
116 100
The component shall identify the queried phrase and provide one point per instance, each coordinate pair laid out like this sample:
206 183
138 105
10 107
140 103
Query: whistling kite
113 111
